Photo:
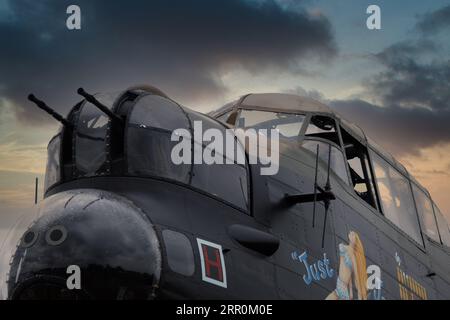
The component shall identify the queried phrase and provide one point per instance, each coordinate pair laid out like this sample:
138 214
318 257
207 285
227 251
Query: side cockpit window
425 209
321 131
337 160
53 168
396 197
444 230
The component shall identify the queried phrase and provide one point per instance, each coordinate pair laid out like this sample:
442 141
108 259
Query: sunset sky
393 82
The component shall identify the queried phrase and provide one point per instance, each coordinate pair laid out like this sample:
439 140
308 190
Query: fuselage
139 226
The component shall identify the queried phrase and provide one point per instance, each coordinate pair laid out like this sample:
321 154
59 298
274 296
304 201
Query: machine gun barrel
42 105
90 98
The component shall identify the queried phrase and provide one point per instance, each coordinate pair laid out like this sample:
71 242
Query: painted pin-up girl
352 270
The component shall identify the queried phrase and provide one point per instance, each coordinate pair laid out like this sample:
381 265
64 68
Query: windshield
289 125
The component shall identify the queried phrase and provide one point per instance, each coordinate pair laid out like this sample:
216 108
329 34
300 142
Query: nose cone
105 237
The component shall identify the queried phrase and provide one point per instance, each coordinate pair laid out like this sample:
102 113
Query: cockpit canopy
357 161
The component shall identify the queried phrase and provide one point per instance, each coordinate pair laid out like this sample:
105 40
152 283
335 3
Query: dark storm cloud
414 95
410 82
413 92
179 46
399 130
435 21
313 94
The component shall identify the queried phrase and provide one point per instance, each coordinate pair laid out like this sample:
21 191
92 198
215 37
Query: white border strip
205 278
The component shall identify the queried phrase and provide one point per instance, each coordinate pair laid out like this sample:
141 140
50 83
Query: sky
393 82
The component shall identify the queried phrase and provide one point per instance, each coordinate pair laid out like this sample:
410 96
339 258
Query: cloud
435 21
17 189
21 157
410 80
21 148
410 107
313 93
430 167
411 99
400 130
180 46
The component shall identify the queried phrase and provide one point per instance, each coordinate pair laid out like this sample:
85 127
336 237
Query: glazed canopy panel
280 102
285 102
152 121
289 103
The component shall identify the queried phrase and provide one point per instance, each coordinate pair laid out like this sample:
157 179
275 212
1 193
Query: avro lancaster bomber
341 219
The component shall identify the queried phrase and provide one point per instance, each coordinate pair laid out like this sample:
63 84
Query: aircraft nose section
87 244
